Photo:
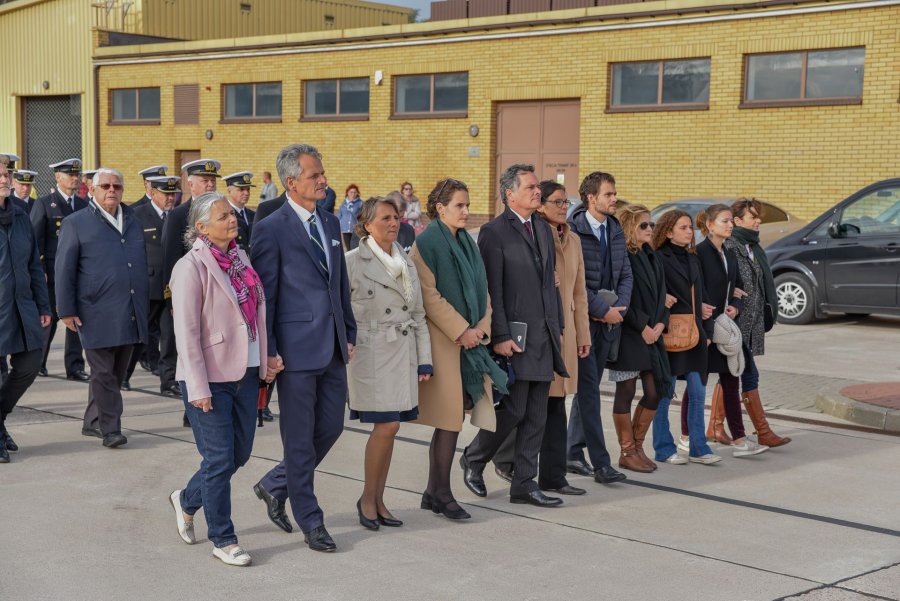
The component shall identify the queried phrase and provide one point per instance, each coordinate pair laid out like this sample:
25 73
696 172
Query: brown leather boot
716 429
758 417
640 423
628 458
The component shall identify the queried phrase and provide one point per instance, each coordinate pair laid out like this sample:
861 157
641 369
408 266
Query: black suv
845 261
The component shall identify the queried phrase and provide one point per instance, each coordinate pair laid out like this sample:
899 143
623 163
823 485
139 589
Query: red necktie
528 229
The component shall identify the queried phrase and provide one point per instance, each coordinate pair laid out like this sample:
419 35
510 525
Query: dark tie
163 215
603 244
244 217
318 247
71 203
528 229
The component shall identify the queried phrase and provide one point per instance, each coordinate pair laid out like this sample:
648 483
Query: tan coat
572 291
441 398
391 337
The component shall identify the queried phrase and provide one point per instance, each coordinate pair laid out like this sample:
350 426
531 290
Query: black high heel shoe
363 520
427 501
392 522
451 514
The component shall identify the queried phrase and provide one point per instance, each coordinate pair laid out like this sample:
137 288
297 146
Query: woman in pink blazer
219 309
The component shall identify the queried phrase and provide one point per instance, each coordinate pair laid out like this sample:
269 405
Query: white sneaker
675 459
236 557
749 448
185 528
707 459
684 445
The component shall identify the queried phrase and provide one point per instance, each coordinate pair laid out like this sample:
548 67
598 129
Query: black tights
625 393
440 458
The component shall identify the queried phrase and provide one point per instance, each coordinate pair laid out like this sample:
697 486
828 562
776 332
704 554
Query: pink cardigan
210 332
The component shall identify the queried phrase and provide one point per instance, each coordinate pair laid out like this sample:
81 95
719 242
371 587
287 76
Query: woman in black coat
722 283
673 239
641 349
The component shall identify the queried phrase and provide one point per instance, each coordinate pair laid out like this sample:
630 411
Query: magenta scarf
244 280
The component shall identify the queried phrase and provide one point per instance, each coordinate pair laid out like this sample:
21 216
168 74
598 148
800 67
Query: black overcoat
522 286
679 281
719 286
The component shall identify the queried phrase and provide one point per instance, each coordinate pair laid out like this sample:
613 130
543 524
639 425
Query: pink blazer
210 332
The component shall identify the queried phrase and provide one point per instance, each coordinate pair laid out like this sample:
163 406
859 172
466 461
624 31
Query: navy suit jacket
47 216
102 278
307 313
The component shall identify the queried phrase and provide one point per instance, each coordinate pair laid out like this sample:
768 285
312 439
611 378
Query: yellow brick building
802 155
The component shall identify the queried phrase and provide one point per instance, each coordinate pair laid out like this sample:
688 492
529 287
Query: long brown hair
666 224
630 218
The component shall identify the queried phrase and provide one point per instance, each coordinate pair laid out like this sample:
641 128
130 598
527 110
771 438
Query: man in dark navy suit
238 188
155 171
298 254
46 217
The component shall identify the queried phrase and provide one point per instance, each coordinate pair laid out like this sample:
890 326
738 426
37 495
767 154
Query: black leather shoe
7 441
607 475
42 372
318 539
392 522
126 385
79 375
114 439
363 520
171 389
427 501
473 479
267 415
451 514
505 471
95 432
580 467
536 498
274 508
145 365
566 490
4 455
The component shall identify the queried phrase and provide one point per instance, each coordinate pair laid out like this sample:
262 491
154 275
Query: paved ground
816 520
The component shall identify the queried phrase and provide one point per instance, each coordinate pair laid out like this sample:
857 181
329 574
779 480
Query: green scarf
461 279
743 236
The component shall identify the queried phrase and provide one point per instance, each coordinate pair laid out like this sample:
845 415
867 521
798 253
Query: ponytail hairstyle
709 214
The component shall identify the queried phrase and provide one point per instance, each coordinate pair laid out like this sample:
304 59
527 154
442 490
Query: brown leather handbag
682 333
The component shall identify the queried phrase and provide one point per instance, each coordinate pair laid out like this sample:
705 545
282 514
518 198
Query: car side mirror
837 230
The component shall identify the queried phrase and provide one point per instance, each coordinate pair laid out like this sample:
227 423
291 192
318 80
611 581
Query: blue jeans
663 443
750 377
224 438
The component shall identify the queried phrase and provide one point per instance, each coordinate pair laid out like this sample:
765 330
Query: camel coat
441 398
573 293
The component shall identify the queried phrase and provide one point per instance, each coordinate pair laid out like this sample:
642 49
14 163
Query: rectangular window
805 77
255 101
440 94
336 98
136 105
660 85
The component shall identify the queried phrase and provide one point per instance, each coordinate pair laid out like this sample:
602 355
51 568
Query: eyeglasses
116 187
560 203
645 224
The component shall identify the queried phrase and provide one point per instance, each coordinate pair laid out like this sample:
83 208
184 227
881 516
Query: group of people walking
503 329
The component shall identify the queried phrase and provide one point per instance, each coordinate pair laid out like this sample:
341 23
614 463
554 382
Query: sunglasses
116 187
645 224
450 180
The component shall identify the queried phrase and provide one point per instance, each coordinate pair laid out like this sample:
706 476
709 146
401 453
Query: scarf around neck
244 281
395 264
748 237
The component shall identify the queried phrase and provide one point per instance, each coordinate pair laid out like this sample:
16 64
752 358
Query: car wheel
796 300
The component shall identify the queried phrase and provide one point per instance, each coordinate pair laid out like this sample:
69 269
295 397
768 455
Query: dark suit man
46 217
23 180
102 293
606 267
238 193
327 203
267 207
201 177
520 259
298 254
151 216
146 174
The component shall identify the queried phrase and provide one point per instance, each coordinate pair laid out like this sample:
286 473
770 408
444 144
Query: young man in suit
520 259
238 194
298 254
46 217
155 171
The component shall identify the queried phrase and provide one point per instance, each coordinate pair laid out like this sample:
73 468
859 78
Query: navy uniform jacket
24 203
173 247
139 203
23 291
103 278
244 230
152 225
46 217
267 207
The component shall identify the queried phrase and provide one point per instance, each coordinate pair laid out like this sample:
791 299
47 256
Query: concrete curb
831 401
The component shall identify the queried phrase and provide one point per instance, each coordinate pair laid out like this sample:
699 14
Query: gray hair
201 207
509 180
107 171
288 161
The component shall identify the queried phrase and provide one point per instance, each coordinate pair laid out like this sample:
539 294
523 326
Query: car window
875 214
772 214
688 207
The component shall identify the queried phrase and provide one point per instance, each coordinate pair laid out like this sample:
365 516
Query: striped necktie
318 247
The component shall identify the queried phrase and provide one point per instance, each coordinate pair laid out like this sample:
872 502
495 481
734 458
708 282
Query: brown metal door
544 134
182 157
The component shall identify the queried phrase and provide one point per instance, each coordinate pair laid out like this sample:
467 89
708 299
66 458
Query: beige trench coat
573 293
391 337
441 398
